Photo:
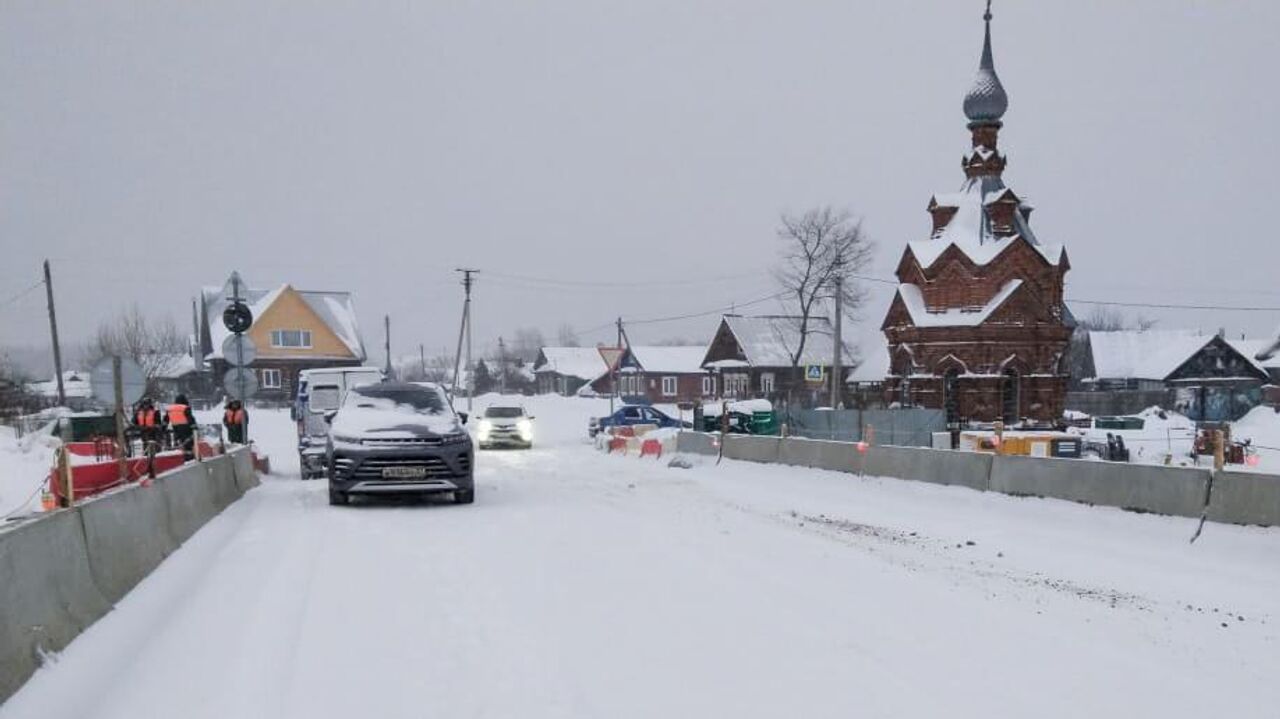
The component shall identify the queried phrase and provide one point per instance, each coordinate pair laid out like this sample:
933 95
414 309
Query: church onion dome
986 102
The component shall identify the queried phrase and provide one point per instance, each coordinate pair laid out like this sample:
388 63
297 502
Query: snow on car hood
388 424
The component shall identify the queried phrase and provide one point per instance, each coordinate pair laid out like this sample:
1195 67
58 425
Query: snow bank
1262 428
24 464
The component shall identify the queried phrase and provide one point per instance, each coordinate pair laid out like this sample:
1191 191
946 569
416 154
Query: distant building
753 357
1206 377
565 370
978 327
661 374
292 329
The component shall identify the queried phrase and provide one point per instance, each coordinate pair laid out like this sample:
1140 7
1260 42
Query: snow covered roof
585 363
175 367
969 229
74 383
335 309
913 298
1268 349
1256 349
770 340
874 367
1147 354
670 360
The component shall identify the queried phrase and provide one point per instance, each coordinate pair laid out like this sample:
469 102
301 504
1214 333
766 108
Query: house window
269 378
291 338
736 384
708 386
668 386
766 382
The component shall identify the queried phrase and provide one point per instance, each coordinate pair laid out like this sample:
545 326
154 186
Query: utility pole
464 330
422 358
617 393
502 366
53 332
836 380
386 323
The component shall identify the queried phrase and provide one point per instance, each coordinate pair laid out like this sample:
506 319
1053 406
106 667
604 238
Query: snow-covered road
584 585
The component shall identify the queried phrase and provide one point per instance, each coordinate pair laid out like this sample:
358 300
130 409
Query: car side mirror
328 416
463 416
531 417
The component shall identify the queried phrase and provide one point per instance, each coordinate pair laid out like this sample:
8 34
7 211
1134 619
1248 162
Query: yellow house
292 329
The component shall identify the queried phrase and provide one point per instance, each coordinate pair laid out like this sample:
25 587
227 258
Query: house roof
770 340
585 363
335 309
670 360
1256 349
1146 354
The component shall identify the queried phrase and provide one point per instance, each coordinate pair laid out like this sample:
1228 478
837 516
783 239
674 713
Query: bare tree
1105 318
527 344
567 337
155 344
821 248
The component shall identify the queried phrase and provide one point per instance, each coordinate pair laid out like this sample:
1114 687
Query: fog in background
630 158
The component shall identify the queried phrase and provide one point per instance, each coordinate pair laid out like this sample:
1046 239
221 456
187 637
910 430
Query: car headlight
484 428
525 428
456 438
345 439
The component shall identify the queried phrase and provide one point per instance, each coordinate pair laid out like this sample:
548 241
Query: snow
913 298
582 584
968 229
1261 426
770 340
1164 434
670 360
340 315
24 464
744 406
74 383
1146 354
585 363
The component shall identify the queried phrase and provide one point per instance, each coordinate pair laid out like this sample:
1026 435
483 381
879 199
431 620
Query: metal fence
913 427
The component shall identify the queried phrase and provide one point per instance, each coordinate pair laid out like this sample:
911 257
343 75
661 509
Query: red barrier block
651 446
624 431
618 443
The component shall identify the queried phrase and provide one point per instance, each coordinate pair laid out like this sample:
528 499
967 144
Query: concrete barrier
47 594
1176 491
937 466
60 572
696 443
752 449
1245 498
134 520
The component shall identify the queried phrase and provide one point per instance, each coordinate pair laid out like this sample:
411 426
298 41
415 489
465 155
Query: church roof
986 101
913 299
969 229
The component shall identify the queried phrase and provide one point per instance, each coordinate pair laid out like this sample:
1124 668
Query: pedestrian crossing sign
813 373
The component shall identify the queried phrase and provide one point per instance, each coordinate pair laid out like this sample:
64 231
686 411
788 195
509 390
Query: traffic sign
235 287
239 350
237 317
133 383
240 382
813 373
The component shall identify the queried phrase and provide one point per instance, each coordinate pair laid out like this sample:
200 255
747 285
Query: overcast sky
150 148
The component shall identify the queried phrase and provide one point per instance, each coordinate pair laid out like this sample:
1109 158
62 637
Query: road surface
584 585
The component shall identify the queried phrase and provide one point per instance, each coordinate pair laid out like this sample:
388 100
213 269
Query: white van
319 391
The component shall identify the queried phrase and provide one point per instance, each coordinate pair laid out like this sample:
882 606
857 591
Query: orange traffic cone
46 501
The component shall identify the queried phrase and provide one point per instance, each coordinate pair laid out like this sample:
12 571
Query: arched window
951 395
1010 389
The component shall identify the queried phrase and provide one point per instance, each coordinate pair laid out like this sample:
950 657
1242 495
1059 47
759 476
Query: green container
764 423
84 429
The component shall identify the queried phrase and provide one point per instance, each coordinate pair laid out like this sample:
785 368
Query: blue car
634 414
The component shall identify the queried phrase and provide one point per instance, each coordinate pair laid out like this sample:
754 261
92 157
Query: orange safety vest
145 418
233 416
177 414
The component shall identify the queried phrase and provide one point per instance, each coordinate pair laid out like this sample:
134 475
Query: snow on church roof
969 228
913 298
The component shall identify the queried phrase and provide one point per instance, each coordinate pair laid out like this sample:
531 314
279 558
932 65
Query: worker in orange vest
236 420
148 420
182 424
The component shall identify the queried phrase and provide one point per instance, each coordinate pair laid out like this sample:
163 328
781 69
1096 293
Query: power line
638 283
1172 306
21 294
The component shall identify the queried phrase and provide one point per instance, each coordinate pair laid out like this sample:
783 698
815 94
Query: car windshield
419 400
504 412
324 398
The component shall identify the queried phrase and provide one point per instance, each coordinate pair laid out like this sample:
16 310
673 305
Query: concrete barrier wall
1177 491
752 449
696 443
966 469
63 571
1245 498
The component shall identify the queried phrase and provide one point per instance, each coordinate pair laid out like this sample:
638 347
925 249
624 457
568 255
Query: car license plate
404 472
